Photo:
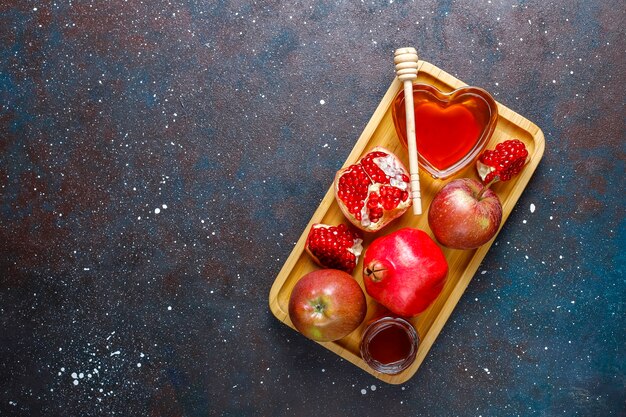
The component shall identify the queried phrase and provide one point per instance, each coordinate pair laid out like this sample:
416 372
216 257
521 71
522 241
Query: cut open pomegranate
503 162
335 247
374 191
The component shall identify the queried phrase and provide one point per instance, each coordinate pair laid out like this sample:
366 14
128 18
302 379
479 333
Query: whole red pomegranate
404 271
374 191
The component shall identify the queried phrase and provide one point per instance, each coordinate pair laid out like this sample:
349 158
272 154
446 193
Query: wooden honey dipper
405 60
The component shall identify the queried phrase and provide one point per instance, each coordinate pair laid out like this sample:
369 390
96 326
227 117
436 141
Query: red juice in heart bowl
451 129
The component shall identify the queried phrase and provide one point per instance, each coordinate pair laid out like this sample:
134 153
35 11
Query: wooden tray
462 264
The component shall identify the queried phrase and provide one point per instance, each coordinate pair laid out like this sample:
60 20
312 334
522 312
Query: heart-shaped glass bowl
451 129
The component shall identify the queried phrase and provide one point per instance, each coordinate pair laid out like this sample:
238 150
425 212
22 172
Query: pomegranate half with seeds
374 191
335 247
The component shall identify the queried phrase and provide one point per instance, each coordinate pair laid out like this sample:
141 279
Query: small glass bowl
374 329
478 101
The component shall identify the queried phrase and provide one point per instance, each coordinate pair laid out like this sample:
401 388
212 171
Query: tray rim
427 340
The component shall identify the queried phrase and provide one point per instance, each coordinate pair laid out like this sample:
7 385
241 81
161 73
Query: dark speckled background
158 161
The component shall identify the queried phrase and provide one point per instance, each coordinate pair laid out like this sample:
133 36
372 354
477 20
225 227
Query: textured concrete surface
158 161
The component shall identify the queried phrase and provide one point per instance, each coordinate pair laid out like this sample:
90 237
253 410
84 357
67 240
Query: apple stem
481 192
486 187
493 180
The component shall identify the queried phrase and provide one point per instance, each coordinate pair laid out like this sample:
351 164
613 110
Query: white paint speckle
363 391
322 102
373 387
532 208
169 308
74 375
117 352
81 375
138 365
76 382
157 210
164 206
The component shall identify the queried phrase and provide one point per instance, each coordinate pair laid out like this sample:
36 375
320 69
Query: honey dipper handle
405 60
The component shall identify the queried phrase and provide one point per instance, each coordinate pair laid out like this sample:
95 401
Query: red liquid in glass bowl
451 129
389 345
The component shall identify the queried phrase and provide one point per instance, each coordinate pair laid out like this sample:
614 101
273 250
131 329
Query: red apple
326 305
465 214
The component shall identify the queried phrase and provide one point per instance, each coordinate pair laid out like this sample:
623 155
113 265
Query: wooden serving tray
462 263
